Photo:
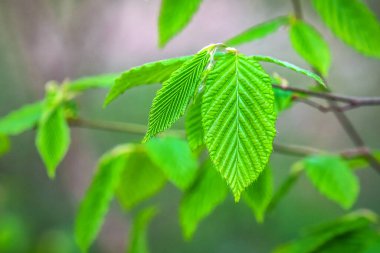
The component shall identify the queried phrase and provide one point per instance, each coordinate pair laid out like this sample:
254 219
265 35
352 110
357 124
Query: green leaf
22 119
332 176
174 16
238 119
258 31
201 199
172 99
353 22
139 242
283 100
290 66
53 138
96 202
149 73
140 180
311 46
193 124
175 159
4 144
259 194
92 82
360 162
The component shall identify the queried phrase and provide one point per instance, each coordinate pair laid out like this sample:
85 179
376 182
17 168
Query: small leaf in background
262 58
193 124
360 162
174 157
138 242
258 31
353 22
98 197
259 194
140 179
22 119
208 191
53 138
311 46
174 16
173 98
318 238
332 176
283 100
149 73
92 82
4 144
238 119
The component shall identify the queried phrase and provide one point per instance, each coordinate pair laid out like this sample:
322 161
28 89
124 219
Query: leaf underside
238 119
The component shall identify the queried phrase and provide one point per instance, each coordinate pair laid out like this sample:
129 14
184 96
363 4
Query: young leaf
149 73
92 82
283 100
333 178
22 119
139 242
172 99
4 144
258 31
290 66
140 179
53 138
259 194
193 124
201 199
238 119
353 22
311 46
95 204
174 16
175 159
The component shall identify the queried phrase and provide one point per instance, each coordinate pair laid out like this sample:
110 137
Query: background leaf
311 46
92 82
22 119
174 157
139 241
149 73
140 179
193 124
172 99
96 202
258 31
201 199
4 144
283 100
174 16
259 194
353 22
238 119
332 176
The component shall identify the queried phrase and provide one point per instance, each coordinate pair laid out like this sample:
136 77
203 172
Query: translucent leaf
259 194
311 46
289 66
193 124
238 119
316 238
353 22
172 99
258 31
53 138
149 73
332 176
140 180
174 16
4 144
92 82
98 197
175 159
201 199
22 119
139 242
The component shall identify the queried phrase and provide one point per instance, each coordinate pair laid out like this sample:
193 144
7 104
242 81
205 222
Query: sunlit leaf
193 124
92 82
4 144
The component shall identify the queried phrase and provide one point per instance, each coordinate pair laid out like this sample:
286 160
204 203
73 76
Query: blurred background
42 40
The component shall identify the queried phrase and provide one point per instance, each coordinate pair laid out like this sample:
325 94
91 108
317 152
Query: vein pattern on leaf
239 119
149 73
172 99
193 124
